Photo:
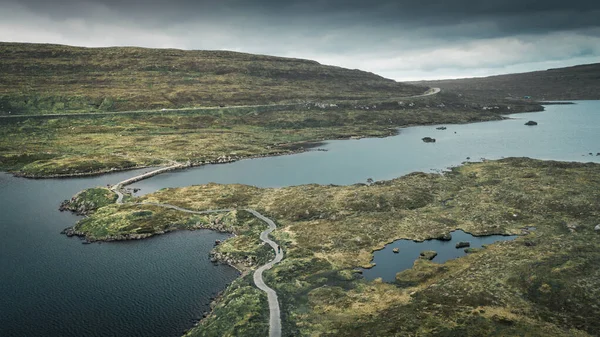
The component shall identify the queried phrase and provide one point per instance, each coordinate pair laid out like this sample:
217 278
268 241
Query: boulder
428 140
445 237
463 244
441 128
428 254
531 123
597 228
396 250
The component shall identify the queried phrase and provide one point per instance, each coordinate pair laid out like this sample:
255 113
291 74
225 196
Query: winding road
274 312
275 316
429 92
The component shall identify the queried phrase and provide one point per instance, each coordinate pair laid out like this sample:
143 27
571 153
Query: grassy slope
68 145
572 83
41 78
544 284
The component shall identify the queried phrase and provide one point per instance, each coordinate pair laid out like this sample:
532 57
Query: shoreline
295 148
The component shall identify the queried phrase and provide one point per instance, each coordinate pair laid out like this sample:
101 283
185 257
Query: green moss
90 200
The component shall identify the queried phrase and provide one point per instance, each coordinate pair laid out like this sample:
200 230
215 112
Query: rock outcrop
463 244
428 254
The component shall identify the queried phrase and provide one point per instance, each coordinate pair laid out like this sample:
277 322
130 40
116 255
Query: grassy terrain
573 83
44 147
43 78
89 200
542 284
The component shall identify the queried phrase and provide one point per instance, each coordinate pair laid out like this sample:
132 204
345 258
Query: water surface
564 132
389 263
51 285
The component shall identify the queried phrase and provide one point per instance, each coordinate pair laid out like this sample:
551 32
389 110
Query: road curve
274 312
275 316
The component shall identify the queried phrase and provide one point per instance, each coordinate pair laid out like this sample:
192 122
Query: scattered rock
529 243
397 250
217 242
428 140
428 254
445 237
531 123
463 244
572 227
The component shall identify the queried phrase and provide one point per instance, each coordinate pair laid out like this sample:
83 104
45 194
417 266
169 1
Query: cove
389 263
51 285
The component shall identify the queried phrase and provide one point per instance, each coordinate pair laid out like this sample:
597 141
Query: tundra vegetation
44 78
63 146
544 283
571 83
237 106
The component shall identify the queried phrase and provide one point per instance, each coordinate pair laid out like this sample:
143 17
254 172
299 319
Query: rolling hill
44 78
580 82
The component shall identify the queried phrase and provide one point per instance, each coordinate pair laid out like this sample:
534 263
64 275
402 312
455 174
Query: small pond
389 263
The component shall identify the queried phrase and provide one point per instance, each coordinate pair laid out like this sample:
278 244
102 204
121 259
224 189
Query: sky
399 39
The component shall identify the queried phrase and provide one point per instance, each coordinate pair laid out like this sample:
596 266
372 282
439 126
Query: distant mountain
38 78
572 83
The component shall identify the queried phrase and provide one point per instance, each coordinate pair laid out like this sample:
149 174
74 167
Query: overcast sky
399 39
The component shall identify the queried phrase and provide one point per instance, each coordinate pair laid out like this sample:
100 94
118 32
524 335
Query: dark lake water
51 285
564 132
389 263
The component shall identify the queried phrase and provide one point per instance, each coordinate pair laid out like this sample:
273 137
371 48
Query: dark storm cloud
508 16
395 38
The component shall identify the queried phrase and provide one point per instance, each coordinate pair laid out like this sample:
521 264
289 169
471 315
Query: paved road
274 312
275 316
431 91
117 188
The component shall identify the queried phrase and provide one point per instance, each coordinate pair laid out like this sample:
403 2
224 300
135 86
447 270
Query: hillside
43 78
573 83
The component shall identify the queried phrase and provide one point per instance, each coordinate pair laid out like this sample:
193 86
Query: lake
564 132
388 263
52 285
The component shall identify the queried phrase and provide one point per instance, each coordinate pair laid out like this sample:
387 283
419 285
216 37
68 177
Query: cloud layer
404 40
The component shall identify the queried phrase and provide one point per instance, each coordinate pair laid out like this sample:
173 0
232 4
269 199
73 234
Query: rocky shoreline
224 159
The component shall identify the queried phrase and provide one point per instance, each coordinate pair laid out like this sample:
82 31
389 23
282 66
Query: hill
43 78
580 82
